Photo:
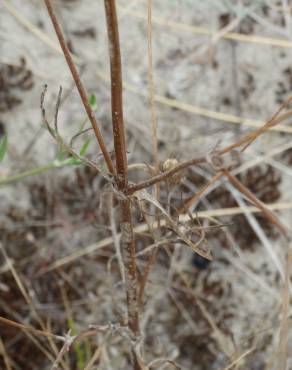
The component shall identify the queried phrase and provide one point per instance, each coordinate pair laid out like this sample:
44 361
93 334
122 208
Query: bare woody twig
81 89
165 175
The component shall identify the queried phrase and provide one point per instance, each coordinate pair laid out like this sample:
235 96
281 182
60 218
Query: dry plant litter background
220 70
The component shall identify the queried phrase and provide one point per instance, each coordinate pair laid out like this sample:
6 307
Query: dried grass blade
28 328
253 199
5 356
200 193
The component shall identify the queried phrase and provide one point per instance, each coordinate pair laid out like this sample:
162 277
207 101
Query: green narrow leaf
3 147
85 147
71 161
61 155
92 101
80 353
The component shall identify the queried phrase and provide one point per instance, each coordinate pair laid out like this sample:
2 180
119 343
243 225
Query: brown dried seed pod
169 164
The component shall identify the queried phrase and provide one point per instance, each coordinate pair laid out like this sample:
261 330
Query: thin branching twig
54 132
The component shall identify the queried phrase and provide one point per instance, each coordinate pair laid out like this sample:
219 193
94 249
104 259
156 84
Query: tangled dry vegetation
148 233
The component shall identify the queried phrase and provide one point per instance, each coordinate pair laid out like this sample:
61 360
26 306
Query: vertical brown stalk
127 234
117 94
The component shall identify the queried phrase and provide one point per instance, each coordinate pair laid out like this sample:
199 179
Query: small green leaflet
71 161
3 147
92 101
85 147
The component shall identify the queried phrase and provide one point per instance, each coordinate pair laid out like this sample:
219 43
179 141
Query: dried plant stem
165 175
161 99
81 89
247 139
192 200
27 328
183 27
127 233
253 199
117 97
240 358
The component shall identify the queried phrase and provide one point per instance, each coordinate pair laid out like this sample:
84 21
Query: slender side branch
81 89
165 175
254 200
59 140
